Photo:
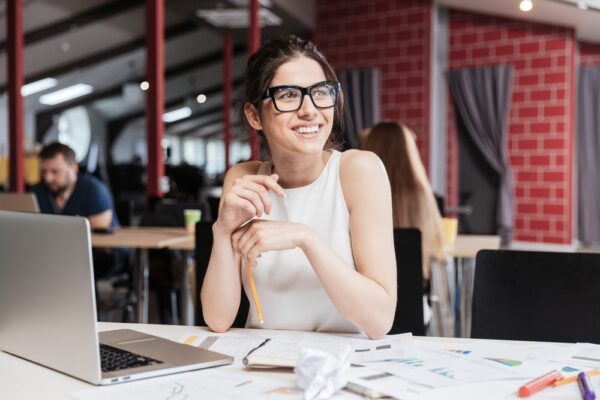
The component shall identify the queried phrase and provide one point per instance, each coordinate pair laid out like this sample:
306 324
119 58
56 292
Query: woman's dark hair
263 64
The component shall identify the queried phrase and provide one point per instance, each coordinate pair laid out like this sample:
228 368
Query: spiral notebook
273 353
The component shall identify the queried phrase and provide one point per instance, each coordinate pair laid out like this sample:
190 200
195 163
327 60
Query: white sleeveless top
291 294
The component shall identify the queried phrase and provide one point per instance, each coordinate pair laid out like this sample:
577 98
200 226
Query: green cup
191 218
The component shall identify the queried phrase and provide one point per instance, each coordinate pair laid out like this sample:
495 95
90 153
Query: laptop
24 202
48 308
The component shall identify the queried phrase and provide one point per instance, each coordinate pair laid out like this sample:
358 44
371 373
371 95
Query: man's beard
58 191
61 190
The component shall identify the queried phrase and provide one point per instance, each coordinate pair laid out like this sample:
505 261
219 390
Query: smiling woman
315 225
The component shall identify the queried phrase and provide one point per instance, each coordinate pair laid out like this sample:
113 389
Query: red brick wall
391 35
541 124
589 53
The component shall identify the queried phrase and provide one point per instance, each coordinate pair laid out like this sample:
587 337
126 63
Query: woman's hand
259 236
247 198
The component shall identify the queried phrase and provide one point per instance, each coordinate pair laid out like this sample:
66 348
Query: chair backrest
174 210
204 242
409 260
537 296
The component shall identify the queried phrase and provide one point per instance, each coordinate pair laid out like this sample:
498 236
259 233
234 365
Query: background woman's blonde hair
414 205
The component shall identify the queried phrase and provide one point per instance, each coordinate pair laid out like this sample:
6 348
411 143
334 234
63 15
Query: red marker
538 384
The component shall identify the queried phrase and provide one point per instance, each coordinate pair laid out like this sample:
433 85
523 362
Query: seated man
63 191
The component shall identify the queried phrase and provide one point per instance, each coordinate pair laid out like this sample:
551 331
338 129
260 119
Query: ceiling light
526 5
38 86
177 114
201 98
244 3
237 18
144 85
68 93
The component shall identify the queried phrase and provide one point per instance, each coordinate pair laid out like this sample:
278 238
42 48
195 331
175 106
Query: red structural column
155 100
14 34
253 45
227 92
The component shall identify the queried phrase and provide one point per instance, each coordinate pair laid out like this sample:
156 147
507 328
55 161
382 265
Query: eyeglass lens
290 99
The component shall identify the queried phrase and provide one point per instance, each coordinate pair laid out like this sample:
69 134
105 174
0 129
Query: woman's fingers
254 188
261 191
250 196
269 182
247 239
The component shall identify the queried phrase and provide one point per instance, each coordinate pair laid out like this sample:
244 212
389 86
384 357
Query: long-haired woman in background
413 202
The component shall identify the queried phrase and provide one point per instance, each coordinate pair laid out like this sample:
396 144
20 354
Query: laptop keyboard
113 359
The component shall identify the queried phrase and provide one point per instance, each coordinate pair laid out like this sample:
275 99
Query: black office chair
409 261
174 210
537 296
163 277
204 242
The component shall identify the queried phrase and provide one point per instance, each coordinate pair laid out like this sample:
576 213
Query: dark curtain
361 94
588 148
482 98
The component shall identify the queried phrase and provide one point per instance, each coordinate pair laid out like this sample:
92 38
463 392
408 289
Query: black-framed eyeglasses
288 98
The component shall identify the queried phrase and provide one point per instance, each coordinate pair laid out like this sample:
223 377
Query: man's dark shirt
90 197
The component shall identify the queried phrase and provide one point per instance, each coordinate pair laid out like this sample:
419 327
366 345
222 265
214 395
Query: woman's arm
365 296
244 197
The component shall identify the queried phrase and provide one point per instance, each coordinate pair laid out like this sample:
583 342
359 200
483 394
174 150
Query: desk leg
188 288
142 287
467 270
442 297
458 297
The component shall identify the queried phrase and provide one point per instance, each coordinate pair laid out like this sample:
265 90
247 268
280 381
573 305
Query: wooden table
467 246
460 281
144 238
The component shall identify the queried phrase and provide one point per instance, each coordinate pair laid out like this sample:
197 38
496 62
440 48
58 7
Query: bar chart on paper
505 361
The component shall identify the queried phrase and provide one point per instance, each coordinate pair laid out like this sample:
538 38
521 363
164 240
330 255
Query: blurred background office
502 97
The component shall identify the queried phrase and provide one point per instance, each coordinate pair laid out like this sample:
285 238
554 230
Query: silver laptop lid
24 202
47 304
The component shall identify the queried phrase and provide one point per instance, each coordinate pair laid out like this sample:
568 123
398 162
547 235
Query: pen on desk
540 383
573 378
585 386
254 293
245 359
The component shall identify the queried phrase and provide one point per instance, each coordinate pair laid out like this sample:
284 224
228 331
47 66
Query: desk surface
24 380
467 246
143 238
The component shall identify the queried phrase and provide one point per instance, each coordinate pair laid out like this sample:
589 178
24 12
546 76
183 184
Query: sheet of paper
586 354
438 370
236 346
365 350
209 384
371 381
521 360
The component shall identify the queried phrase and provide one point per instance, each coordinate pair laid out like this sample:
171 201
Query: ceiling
101 43
555 12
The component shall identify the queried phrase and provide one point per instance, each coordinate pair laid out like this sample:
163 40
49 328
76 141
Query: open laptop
48 308
24 202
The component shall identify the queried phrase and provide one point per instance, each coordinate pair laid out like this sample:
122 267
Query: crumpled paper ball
320 373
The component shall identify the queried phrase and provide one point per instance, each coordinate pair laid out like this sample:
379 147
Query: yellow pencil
573 378
254 293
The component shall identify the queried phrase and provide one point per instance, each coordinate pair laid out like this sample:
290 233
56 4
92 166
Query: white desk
21 379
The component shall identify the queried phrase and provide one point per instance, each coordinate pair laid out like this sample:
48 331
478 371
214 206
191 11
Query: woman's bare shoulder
240 170
359 163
